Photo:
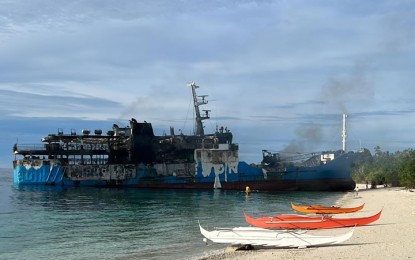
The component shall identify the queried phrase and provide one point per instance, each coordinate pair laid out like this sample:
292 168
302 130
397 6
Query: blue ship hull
333 176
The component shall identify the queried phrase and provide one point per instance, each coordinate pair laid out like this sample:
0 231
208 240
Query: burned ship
134 156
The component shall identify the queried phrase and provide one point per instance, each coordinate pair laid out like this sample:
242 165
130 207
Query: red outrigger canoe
292 221
324 209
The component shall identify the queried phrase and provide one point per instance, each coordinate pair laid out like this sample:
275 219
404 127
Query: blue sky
279 74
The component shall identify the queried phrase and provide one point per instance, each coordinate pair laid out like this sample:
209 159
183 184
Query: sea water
46 222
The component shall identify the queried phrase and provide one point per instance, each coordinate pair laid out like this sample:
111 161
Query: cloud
272 69
30 104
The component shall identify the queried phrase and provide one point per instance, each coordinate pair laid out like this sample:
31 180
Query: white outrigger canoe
272 238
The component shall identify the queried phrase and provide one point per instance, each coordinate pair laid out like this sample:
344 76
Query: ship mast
344 132
197 102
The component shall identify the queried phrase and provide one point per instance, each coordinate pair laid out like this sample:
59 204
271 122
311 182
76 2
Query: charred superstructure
120 155
134 156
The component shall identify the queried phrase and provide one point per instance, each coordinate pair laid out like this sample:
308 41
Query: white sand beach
391 237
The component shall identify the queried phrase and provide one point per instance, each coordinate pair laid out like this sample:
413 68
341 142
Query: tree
407 168
393 169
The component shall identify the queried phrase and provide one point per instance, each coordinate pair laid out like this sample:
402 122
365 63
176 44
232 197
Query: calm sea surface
109 223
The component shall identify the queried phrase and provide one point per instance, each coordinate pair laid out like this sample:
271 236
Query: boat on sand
293 221
319 209
271 238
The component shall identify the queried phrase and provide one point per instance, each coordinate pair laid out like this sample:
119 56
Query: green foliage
407 169
384 168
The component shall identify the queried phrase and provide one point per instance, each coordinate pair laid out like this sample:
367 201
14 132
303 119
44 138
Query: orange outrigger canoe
324 209
293 221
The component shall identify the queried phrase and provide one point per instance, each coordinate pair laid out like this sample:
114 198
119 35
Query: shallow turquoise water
108 223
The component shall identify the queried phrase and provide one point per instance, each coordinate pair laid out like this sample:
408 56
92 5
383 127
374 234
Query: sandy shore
391 237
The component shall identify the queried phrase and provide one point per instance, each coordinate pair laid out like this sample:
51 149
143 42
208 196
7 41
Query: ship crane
198 101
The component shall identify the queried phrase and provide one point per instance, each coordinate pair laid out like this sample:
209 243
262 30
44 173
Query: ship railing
29 147
35 161
232 147
87 161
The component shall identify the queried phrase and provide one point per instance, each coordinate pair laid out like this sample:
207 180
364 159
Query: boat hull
270 238
318 209
45 172
305 222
